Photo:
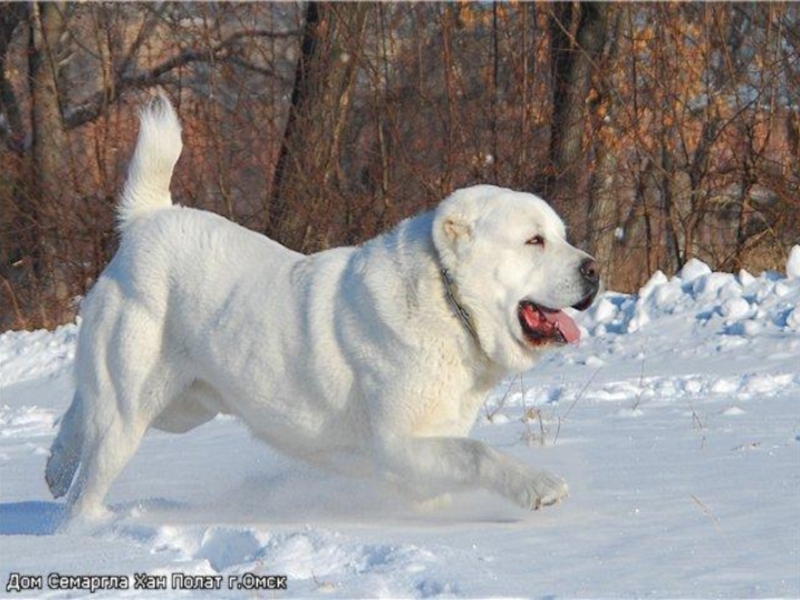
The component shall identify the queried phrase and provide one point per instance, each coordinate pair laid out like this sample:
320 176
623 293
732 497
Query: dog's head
513 271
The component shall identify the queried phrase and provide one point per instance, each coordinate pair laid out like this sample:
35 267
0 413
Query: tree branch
90 109
144 31
266 72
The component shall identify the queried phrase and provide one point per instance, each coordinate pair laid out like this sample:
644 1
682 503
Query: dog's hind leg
65 453
128 379
105 453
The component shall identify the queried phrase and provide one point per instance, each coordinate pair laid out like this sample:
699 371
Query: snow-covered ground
676 422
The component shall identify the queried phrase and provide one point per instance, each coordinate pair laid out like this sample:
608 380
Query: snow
676 422
793 264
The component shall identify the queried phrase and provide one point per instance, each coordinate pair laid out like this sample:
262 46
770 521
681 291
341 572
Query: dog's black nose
589 271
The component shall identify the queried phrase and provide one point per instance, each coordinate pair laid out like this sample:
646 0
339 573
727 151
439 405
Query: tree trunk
30 256
603 218
584 27
603 200
309 165
49 149
11 16
15 270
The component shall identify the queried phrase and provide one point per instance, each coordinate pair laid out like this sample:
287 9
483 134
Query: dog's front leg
436 465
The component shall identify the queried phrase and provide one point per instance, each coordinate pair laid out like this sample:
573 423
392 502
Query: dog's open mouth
541 325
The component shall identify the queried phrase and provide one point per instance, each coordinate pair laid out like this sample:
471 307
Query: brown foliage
661 131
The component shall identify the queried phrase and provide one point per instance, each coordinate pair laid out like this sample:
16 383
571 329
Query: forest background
660 131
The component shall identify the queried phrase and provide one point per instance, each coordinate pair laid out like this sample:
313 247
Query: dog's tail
65 453
150 172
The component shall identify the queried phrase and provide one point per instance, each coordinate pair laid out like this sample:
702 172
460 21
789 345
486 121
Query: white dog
373 359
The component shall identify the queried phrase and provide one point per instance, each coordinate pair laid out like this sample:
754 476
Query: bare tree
49 209
660 131
578 32
308 175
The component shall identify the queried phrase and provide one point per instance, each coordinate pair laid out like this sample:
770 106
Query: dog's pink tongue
563 322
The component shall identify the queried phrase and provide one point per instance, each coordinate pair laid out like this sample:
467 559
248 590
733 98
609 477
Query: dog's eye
536 240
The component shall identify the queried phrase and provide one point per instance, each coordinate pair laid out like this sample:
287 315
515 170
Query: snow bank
697 336
34 354
740 305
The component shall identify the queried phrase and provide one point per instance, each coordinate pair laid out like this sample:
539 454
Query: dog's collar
463 313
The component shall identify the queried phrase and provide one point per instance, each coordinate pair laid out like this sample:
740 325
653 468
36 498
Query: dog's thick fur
354 358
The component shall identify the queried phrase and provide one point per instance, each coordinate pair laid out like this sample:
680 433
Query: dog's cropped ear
452 231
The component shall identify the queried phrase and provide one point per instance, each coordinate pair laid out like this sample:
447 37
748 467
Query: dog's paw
539 488
87 523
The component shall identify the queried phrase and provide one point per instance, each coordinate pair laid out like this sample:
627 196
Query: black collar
463 313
